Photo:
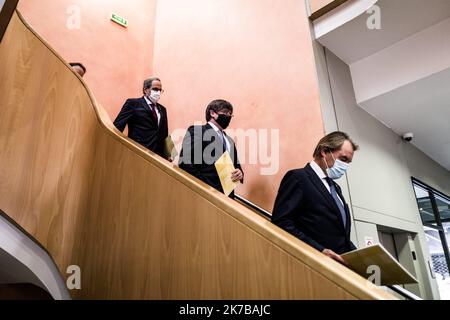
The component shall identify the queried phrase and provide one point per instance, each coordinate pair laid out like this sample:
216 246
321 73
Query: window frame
439 227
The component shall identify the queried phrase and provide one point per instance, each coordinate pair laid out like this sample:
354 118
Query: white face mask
338 170
155 95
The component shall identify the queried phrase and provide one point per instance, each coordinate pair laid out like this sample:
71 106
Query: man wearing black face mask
204 145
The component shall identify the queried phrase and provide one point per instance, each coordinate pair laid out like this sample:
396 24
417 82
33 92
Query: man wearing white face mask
146 118
310 205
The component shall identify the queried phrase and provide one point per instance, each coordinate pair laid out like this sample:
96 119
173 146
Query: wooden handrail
137 226
5 15
322 7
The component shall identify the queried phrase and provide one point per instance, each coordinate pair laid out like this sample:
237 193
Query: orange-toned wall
255 53
117 59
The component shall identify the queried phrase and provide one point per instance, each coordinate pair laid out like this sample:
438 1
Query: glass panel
436 232
444 208
425 207
438 261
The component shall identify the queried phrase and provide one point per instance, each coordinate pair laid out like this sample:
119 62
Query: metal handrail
404 293
253 206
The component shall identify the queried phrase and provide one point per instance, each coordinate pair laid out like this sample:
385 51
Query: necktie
224 142
155 116
336 199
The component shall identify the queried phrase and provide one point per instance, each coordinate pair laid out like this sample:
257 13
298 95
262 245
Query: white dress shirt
152 105
221 135
322 177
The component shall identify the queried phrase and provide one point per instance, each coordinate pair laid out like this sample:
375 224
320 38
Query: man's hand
334 256
237 175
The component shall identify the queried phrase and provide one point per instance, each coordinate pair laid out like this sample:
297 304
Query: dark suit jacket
202 147
142 128
304 207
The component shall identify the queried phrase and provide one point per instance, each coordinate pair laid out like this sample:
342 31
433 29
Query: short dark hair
78 64
333 142
216 106
148 83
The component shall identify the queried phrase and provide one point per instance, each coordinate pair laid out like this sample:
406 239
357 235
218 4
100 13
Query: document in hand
169 148
391 272
224 166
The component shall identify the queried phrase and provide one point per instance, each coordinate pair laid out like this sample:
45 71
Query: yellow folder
170 152
224 166
365 261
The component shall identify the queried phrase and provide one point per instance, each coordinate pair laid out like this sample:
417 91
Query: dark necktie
155 115
336 199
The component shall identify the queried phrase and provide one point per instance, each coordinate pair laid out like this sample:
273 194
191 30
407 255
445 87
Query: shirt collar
215 127
148 101
317 170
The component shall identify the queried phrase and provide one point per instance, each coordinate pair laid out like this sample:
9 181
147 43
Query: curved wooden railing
138 227
319 8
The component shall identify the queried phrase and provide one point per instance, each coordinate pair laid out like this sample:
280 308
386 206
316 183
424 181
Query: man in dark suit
146 118
310 205
204 145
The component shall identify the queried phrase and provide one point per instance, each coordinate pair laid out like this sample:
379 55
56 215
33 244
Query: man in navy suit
204 145
146 118
310 205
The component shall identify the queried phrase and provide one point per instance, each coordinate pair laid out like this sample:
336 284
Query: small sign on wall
369 241
119 20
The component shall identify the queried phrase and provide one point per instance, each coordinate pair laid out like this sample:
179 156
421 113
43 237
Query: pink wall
117 59
255 53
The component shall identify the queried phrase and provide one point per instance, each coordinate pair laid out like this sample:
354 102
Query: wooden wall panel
138 227
46 139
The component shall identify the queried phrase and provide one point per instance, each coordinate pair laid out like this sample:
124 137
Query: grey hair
333 142
148 83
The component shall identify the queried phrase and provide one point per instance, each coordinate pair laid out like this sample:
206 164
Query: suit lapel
145 104
323 190
217 138
147 107
233 151
207 128
217 141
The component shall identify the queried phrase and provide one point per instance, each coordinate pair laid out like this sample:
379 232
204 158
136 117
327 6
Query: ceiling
399 20
421 106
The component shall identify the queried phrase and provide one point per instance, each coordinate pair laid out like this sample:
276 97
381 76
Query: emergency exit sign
119 20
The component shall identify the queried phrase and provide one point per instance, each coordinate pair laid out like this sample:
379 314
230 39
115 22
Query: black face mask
223 121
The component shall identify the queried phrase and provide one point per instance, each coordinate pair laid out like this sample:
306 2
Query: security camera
408 136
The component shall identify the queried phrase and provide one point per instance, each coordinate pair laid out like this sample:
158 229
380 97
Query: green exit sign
119 20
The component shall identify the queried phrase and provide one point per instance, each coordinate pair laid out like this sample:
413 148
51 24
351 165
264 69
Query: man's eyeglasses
158 90
227 113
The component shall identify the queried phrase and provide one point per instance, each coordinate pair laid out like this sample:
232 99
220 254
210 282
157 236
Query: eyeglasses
157 89
227 113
